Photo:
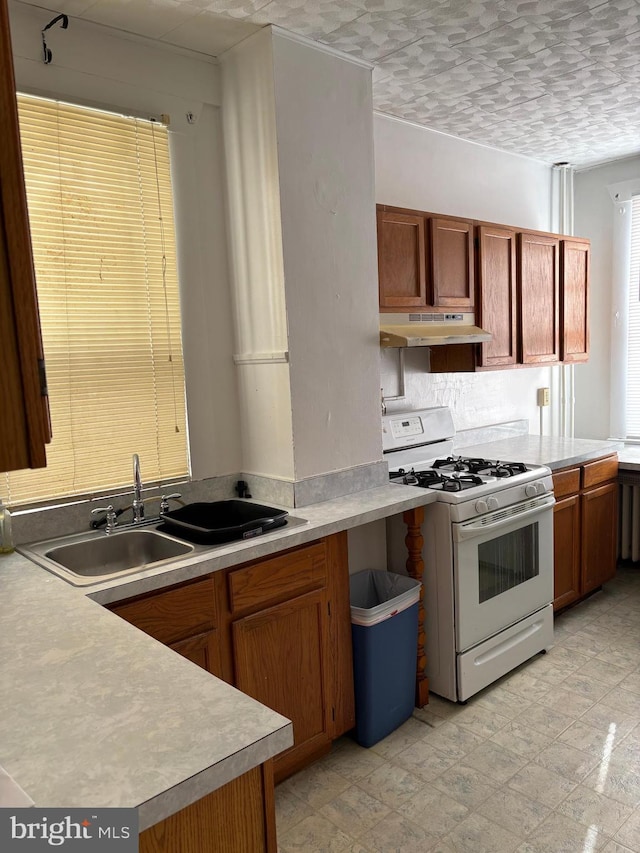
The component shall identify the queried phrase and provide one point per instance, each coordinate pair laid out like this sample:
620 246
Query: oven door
503 568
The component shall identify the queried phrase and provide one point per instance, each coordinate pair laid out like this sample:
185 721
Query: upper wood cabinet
402 248
574 300
424 262
539 297
24 416
497 292
452 263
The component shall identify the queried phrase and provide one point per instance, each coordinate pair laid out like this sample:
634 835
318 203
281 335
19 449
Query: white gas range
488 553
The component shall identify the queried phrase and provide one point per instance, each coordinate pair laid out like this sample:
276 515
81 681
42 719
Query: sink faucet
138 503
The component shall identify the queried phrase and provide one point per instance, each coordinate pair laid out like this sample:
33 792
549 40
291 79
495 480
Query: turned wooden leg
413 518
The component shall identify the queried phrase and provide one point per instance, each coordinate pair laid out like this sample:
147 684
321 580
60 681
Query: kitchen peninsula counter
94 713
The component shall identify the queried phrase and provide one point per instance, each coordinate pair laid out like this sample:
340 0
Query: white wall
426 170
594 218
98 66
325 151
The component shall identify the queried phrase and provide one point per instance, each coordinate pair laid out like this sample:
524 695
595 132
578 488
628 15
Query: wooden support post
413 518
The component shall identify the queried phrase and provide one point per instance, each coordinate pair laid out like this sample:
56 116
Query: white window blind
633 363
101 214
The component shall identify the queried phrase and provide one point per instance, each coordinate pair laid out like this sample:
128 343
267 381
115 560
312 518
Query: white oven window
507 561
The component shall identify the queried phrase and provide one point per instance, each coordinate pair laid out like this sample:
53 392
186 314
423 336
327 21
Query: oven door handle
471 529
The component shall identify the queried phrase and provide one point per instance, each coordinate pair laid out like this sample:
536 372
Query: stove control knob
493 503
530 490
481 507
540 488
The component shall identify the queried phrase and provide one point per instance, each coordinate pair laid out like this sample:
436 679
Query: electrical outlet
543 396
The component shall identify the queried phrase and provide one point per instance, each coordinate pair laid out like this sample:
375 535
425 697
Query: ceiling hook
47 56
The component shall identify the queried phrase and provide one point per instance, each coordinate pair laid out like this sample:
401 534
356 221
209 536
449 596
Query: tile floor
545 760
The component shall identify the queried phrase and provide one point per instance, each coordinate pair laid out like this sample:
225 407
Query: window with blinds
101 214
633 364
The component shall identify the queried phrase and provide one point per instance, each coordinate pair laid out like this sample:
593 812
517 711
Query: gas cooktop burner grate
474 465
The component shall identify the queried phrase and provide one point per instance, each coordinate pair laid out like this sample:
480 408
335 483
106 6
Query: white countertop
95 713
547 450
629 457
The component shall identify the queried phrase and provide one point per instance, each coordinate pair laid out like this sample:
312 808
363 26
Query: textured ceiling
556 80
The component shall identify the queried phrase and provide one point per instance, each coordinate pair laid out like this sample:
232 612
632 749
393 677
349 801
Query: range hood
428 330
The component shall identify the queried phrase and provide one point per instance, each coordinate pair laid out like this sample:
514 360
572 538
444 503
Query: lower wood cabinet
278 629
585 529
237 818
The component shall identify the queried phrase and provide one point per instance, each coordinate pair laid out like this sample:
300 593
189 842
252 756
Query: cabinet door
599 535
24 416
538 297
401 260
280 657
452 279
496 310
566 551
574 300
203 650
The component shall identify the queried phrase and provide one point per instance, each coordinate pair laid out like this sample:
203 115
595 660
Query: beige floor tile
605 672
631 682
352 761
586 686
397 834
480 835
567 761
616 780
566 701
619 656
355 811
592 809
315 834
540 784
428 716
495 761
434 811
610 720
614 847
453 740
442 707
623 700
424 761
569 659
513 811
548 672
316 785
590 739
523 683
561 834
504 702
392 785
408 733
481 721
466 785
521 740
629 833
545 720
585 644
290 809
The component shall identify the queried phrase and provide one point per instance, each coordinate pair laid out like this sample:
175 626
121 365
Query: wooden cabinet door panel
574 301
599 471
599 535
280 660
538 296
497 295
566 550
452 263
24 413
401 260
203 650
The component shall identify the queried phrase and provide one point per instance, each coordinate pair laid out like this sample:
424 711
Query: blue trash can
384 629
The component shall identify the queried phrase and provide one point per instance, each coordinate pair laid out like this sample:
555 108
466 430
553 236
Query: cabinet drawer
600 471
174 614
274 580
566 482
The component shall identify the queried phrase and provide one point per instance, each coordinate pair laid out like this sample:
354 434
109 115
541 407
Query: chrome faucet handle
112 518
164 501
